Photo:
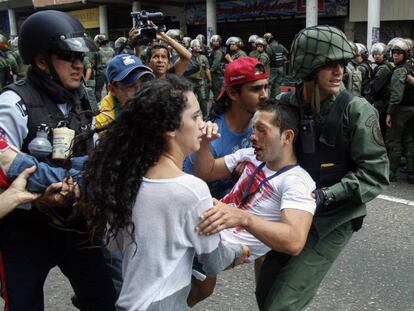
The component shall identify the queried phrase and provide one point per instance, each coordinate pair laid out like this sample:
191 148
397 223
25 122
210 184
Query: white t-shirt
291 189
159 264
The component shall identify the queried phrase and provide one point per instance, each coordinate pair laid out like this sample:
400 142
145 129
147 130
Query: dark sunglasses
69 56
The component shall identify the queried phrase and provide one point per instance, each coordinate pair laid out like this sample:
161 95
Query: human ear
288 136
40 62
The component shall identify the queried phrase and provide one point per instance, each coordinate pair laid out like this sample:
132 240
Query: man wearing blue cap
125 74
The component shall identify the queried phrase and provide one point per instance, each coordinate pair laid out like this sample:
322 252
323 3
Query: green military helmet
186 42
234 40
317 46
4 43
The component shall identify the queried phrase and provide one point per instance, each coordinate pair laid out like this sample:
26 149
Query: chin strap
316 99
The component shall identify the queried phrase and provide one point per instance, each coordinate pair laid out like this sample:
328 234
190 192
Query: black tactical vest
276 59
42 109
330 160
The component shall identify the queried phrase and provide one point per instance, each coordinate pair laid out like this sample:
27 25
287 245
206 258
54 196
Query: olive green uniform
254 54
8 67
265 60
401 134
290 283
238 54
21 67
217 71
198 78
380 92
88 63
105 54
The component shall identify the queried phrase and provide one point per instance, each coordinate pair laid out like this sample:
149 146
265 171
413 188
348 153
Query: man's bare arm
287 236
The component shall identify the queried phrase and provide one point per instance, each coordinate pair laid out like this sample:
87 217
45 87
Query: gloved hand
323 197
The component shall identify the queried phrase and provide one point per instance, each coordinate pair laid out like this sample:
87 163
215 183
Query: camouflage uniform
104 55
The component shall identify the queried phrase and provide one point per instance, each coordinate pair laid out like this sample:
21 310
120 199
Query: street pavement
374 272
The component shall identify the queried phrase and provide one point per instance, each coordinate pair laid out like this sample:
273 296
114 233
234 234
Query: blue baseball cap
126 68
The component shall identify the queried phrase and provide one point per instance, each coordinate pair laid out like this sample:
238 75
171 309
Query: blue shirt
228 143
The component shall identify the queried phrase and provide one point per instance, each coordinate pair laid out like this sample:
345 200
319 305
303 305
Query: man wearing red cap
245 86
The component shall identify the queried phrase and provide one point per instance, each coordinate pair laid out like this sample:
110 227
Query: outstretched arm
205 166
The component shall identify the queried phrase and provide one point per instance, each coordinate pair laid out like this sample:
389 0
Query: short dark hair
286 116
157 47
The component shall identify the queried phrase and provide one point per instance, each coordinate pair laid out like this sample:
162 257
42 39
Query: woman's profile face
189 135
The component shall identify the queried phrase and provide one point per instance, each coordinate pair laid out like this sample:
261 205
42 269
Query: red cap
241 71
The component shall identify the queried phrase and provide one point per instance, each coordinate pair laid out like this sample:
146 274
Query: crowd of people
148 194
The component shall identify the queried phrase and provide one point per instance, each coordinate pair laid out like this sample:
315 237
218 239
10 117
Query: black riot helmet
46 31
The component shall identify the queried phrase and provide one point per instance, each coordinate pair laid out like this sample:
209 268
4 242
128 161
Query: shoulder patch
373 123
22 108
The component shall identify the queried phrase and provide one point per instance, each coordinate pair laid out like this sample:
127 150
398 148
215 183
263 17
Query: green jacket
238 54
217 62
367 151
397 87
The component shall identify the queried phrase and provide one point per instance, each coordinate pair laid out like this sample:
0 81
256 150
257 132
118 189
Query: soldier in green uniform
253 47
217 63
8 65
198 78
234 51
261 54
14 51
277 54
104 55
89 66
334 126
400 112
379 90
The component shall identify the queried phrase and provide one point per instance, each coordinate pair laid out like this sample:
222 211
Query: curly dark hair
131 145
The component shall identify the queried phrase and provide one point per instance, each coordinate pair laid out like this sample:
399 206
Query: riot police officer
36 238
334 126
217 63
8 65
400 112
365 68
103 56
200 77
252 45
379 89
277 54
234 49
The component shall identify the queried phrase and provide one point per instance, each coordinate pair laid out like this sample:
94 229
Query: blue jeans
45 174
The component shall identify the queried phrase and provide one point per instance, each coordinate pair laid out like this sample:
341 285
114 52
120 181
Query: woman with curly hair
138 193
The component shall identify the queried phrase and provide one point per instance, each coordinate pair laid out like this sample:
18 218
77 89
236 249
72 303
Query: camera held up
147 31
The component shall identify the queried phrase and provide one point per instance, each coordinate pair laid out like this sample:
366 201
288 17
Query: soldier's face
69 72
379 58
329 79
397 56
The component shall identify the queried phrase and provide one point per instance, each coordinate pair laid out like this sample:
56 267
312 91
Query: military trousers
275 80
200 92
290 282
401 137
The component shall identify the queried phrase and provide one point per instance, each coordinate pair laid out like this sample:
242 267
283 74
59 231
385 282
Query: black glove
323 197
